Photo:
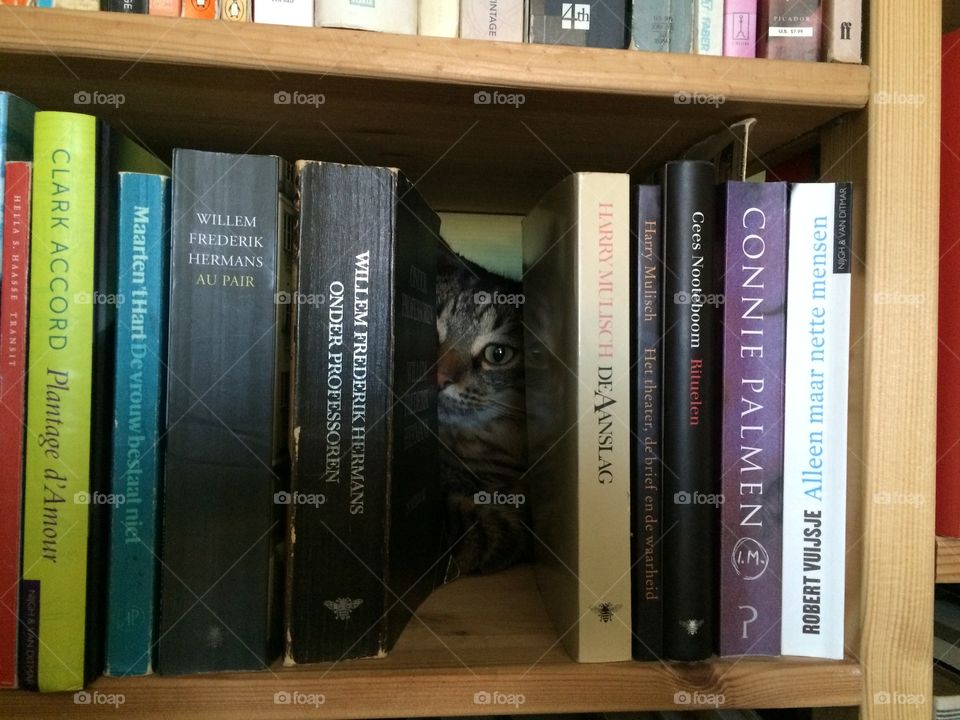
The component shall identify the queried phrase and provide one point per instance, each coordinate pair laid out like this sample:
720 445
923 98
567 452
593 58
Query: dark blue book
143 240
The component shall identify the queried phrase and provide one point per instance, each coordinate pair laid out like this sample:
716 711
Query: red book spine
13 326
948 367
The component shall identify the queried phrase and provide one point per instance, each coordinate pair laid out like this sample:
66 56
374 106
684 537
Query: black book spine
647 408
124 6
364 413
691 409
225 452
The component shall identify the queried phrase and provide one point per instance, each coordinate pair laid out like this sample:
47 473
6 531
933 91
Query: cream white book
283 12
502 20
576 259
843 30
396 16
439 18
709 27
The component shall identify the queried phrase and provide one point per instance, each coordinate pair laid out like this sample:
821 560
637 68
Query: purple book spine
752 427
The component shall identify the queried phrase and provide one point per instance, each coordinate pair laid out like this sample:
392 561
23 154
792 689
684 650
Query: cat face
480 365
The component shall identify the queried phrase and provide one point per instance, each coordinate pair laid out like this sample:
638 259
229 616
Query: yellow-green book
59 389
69 394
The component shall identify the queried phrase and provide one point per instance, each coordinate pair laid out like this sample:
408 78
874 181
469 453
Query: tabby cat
482 420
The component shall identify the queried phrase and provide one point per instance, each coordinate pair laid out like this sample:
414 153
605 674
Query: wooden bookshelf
948 560
409 102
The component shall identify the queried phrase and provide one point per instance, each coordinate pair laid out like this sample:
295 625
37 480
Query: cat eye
497 354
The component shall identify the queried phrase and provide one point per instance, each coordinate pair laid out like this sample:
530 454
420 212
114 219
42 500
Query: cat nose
443 380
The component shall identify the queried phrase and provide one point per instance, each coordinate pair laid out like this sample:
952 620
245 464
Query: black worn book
126 6
693 246
231 251
365 540
646 409
591 23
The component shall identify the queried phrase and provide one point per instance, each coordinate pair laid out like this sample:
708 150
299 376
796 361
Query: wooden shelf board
385 56
408 102
948 560
487 634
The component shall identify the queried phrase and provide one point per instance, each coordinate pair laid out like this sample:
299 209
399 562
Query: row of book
146 389
700 458
785 29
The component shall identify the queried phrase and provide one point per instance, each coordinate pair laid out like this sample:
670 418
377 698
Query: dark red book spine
789 29
948 366
13 325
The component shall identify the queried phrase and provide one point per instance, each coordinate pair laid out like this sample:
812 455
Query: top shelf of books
348 53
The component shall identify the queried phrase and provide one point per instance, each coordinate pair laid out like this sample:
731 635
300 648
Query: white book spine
815 420
843 30
440 18
395 16
283 12
502 20
603 427
709 27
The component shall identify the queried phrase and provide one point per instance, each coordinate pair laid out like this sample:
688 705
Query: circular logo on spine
749 558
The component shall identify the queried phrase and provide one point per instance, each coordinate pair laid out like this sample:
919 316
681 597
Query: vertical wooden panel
900 356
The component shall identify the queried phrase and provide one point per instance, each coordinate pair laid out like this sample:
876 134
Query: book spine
590 23
169 8
751 458
283 12
815 420
650 25
16 137
682 25
439 18
338 514
740 28
88 5
843 31
224 451
603 320
199 9
124 6
948 324
397 16
501 20
709 27
789 29
57 480
239 11
13 325
138 422
691 409
647 401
